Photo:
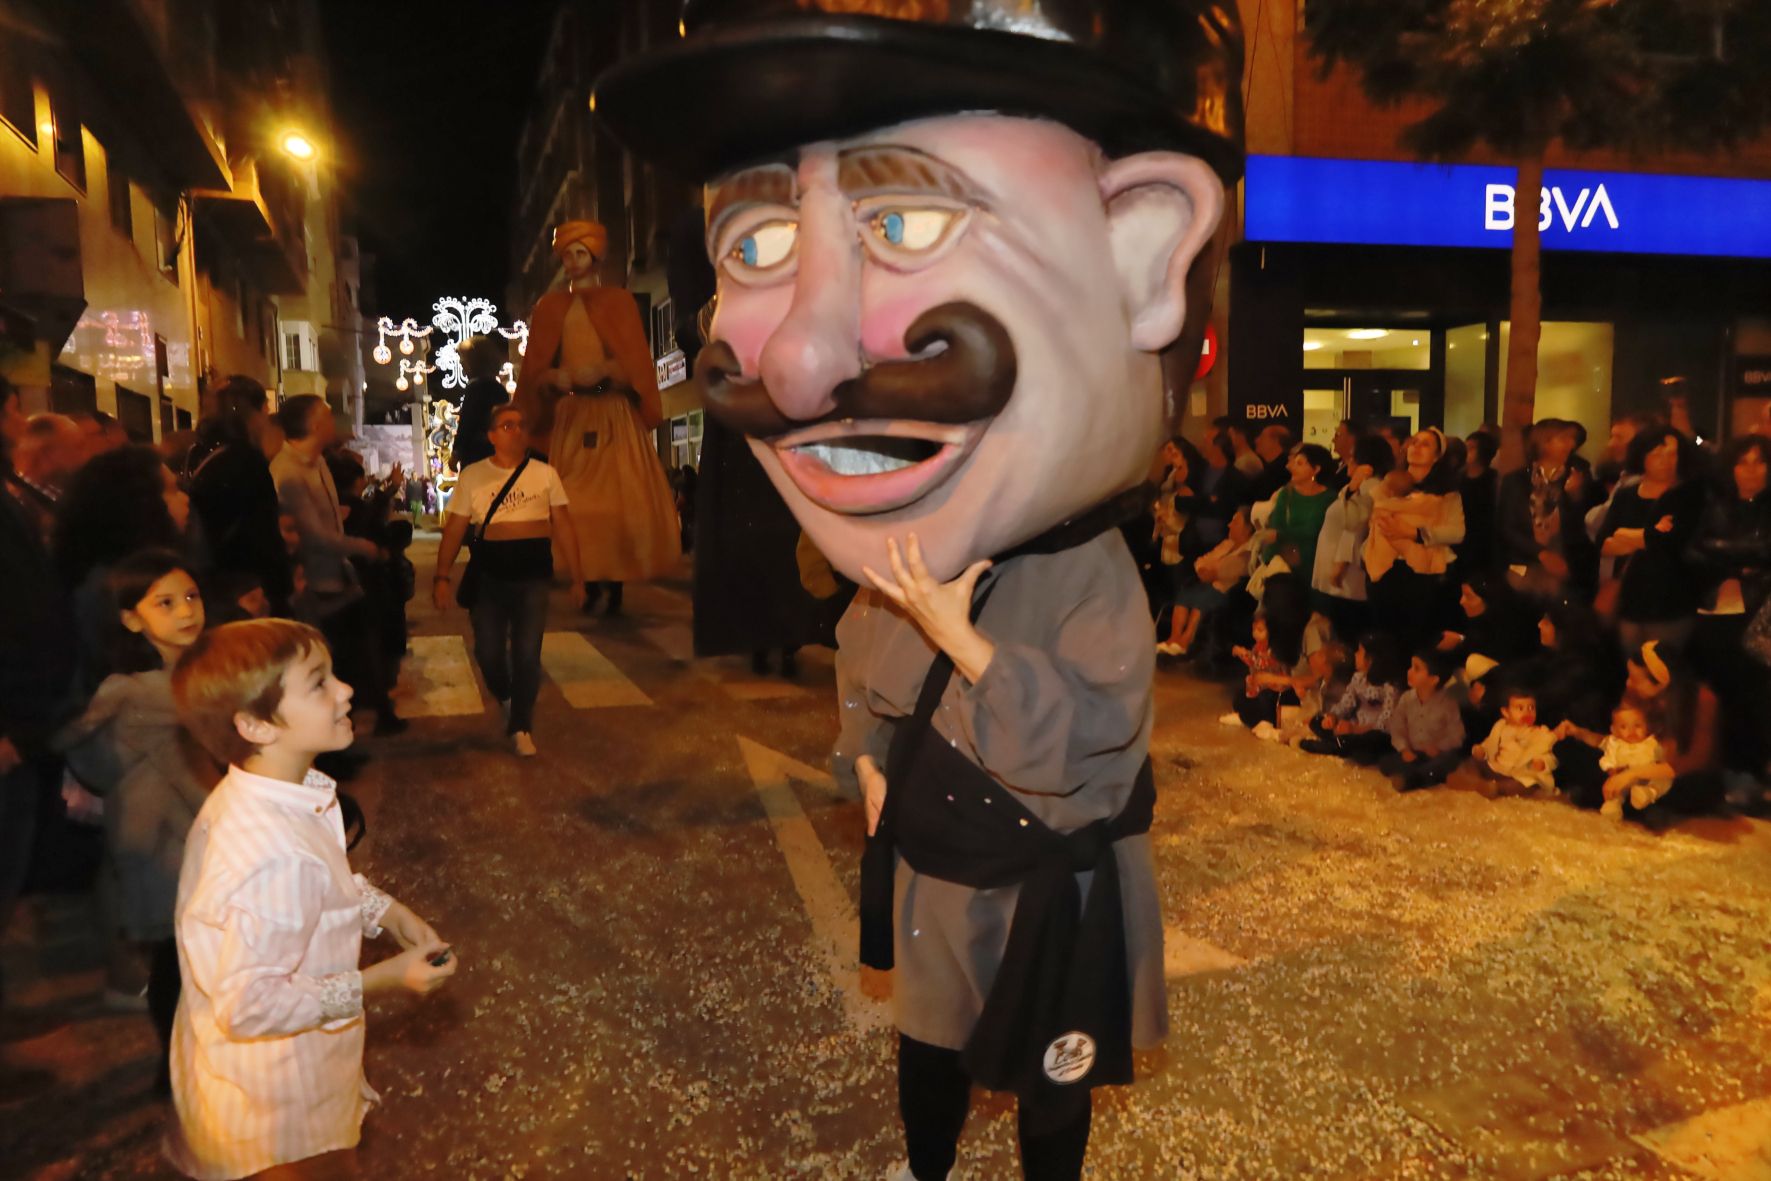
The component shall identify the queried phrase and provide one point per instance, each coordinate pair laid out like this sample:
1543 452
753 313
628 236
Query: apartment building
158 236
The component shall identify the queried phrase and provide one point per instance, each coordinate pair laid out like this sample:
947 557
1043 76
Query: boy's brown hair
237 668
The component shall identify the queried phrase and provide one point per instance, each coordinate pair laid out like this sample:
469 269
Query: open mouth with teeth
875 466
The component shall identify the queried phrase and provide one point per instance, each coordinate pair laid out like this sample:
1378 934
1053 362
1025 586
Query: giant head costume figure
954 239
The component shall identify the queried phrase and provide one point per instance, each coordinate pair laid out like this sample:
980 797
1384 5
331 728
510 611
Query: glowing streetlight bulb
298 145
406 345
382 354
402 385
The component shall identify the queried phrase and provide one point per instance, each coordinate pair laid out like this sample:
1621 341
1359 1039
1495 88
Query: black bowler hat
751 79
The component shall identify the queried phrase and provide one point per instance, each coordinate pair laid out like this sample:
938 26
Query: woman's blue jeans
509 618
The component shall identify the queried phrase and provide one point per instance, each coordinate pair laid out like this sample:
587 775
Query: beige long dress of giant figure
621 503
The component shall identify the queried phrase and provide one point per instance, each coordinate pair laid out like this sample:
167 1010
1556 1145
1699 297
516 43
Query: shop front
1377 290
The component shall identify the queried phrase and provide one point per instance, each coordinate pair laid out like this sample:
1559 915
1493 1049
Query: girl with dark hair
128 748
1357 726
1731 558
1414 591
1338 575
1647 530
1295 523
118 502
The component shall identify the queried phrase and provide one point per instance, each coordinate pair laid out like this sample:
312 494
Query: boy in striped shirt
267 1048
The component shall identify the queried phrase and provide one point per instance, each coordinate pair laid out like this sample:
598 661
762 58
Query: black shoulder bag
467 591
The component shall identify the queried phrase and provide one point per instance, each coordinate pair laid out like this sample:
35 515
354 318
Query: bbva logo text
1589 205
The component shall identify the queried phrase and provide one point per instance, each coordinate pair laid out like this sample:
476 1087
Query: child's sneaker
1612 809
1230 719
1266 732
1644 794
524 743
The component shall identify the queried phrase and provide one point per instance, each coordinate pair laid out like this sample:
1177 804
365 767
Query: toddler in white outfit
1517 751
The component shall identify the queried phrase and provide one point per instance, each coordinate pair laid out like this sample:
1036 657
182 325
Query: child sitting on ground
1426 729
1516 756
1635 763
267 1049
1320 676
1266 687
1219 572
1357 726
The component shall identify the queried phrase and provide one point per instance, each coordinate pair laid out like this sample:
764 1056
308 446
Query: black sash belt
1058 1017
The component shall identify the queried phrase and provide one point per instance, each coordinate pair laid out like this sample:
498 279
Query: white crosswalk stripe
587 678
438 681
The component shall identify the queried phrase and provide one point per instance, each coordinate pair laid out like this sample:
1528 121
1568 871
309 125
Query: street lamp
298 145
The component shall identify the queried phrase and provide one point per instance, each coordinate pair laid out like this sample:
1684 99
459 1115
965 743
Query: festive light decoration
406 332
458 320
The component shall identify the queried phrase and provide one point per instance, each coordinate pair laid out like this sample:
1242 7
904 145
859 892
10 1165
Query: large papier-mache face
950 327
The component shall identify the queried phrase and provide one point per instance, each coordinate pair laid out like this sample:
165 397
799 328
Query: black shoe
759 663
1318 746
388 723
593 594
789 665
614 599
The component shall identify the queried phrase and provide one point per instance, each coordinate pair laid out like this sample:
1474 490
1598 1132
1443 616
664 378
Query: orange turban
592 234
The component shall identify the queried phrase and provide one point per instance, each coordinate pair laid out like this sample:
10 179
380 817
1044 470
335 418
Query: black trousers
165 983
1367 749
1263 706
1423 771
1413 607
934 1093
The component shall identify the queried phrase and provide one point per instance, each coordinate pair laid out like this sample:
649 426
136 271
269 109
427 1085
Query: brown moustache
971 379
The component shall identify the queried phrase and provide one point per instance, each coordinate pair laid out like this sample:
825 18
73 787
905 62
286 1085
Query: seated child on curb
1267 685
1426 729
1516 755
1219 572
1357 726
267 1048
1635 763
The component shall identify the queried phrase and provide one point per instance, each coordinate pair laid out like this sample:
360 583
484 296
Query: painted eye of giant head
764 247
910 229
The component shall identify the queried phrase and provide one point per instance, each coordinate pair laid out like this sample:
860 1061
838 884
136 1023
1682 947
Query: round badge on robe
1070 1057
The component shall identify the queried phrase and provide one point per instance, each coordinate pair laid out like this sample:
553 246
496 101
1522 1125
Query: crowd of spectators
261 515
1593 630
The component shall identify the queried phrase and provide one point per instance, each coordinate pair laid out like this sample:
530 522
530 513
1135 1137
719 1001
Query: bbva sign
1589 206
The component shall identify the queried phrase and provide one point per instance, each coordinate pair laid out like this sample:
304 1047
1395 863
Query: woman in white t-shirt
512 565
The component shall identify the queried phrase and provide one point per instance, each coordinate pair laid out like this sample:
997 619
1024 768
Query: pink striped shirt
267 1049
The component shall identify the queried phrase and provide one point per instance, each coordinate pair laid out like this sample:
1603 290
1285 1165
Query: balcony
111 42
269 244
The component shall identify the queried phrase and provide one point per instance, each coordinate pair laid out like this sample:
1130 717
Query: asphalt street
655 922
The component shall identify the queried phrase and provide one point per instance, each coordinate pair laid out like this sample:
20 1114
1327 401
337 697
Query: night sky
428 102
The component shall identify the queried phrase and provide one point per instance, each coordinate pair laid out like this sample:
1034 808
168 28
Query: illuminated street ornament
463 319
407 332
402 385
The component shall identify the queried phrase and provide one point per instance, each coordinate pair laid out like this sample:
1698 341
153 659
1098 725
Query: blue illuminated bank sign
1386 203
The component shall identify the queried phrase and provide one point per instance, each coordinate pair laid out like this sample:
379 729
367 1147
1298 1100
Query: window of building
166 243
298 345
18 97
122 212
136 413
63 128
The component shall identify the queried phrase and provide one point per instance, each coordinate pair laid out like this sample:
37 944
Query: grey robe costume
1061 717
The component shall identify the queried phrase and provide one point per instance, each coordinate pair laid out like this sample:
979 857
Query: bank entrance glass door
1370 375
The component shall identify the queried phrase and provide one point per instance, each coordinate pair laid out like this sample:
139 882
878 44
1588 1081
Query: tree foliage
1630 75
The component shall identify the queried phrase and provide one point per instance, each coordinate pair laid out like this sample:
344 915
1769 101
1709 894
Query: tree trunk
1519 401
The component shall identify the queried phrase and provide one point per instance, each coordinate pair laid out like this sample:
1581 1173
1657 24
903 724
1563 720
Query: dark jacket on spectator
1734 541
1657 585
1480 494
1273 477
1516 539
236 501
37 649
